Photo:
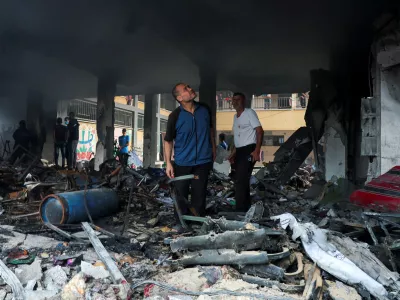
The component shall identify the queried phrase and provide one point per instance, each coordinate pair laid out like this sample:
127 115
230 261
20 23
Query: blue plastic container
69 208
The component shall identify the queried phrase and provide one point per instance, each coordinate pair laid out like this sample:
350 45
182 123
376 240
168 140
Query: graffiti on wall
87 141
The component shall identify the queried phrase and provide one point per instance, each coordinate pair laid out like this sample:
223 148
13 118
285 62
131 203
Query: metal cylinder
69 208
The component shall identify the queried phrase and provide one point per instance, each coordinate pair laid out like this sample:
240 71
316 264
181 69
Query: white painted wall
390 119
335 155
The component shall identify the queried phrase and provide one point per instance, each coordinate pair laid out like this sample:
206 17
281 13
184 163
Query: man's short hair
66 119
22 123
174 90
59 121
124 130
239 94
222 136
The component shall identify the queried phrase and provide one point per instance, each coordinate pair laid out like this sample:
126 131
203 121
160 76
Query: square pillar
151 130
135 122
106 89
35 121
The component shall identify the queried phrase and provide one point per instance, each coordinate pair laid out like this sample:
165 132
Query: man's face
123 132
185 93
237 102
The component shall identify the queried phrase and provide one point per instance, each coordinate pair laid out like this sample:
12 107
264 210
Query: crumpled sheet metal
327 257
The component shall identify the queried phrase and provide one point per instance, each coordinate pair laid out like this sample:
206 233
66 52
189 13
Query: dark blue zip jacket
192 135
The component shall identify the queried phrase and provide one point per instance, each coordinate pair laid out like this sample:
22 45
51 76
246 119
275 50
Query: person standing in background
222 142
60 136
123 152
73 139
248 136
23 138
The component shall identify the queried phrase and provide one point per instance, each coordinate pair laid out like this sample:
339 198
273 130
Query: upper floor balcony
268 103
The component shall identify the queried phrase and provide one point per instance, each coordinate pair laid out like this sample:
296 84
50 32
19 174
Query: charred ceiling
257 46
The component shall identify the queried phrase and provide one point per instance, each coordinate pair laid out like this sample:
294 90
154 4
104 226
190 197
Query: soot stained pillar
105 120
35 121
208 91
151 129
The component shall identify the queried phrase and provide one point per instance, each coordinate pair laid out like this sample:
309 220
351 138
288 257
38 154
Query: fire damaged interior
323 213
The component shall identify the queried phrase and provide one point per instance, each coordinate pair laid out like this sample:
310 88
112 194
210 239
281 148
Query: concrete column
106 88
208 91
35 121
249 99
135 122
151 129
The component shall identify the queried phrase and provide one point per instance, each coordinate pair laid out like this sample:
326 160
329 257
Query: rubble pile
301 239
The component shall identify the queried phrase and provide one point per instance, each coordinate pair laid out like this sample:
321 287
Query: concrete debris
75 289
42 242
92 271
339 291
25 273
55 279
226 255
40 295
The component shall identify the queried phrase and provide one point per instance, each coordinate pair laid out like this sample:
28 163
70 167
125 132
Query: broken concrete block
331 213
92 271
37 241
3 294
75 289
39 295
30 285
55 279
12 241
143 237
152 222
90 256
292 195
25 273
339 291
9 297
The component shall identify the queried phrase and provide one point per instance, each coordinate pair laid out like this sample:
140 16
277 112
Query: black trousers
199 188
243 169
59 147
123 158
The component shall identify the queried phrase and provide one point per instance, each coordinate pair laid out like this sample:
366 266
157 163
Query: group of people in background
190 132
66 138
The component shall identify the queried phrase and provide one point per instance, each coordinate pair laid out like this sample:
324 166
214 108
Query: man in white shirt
248 136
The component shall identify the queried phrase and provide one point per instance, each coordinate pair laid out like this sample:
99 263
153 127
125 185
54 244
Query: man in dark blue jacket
190 127
73 139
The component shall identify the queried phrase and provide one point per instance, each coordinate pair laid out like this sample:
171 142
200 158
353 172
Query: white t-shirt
244 128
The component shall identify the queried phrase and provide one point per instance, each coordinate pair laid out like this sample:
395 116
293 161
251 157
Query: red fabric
381 194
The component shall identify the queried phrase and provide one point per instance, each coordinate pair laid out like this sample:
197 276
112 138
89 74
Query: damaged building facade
355 138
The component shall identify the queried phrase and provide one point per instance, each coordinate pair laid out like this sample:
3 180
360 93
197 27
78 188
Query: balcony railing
267 103
224 104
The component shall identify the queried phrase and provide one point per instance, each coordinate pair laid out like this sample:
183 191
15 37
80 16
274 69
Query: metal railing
224 105
267 103
270 103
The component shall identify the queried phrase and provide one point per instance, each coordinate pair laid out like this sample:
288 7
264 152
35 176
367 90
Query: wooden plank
12 280
116 275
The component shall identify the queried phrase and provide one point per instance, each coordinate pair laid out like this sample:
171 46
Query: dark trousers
17 153
123 158
243 169
71 159
198 191
59 147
